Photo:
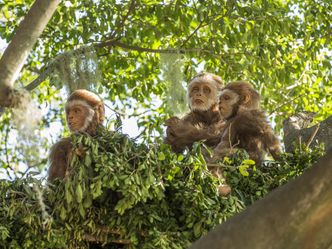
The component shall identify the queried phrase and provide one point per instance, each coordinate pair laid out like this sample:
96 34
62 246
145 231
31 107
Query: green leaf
248 162
63 213
81 210
161 156
243 170
69 197
197 229
79 194
87 201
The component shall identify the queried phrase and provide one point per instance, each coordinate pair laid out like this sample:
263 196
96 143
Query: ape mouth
72 126
198 101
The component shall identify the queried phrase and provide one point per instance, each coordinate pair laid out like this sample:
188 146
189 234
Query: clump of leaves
142 196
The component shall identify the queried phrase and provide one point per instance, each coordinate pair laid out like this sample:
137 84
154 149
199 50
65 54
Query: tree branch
20 46
192 34
115 43
120 26
36 82
285 103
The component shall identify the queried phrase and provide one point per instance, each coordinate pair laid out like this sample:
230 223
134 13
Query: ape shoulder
253 121
58 158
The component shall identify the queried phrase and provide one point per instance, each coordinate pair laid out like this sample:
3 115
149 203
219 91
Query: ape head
84 111
203 91
238 96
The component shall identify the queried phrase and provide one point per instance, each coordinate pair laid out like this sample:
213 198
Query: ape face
236 97
85 111
228 101
202 95
79 116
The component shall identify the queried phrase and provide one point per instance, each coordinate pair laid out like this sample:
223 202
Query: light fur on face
214 85
205 107
88 119
226 106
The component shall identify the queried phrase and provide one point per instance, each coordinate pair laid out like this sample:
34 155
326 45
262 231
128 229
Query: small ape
85 111
203 121
246 125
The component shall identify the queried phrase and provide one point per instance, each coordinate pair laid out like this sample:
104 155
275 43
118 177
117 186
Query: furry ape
246 125
204 121
85 111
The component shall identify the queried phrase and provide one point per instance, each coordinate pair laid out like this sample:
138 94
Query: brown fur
61 152
195 126
204 122
247 126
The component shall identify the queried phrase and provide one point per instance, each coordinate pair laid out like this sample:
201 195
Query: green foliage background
120 190
282 47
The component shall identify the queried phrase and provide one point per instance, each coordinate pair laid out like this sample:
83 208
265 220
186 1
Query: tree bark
19 48
296 131
297 215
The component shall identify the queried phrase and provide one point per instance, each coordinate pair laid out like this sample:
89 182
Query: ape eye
195 89
77 110
226 97
207 90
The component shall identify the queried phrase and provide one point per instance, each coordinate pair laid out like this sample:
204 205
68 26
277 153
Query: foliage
282 47
141 191
120 190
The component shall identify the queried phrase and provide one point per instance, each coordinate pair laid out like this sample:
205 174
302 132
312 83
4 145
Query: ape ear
99 112
246 99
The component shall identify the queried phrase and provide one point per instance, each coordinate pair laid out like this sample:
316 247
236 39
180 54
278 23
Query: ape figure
203 121
85 111
246 125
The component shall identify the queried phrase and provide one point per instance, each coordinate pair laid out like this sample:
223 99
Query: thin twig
285 103
122 114
192 34
311 138
220 165
121 24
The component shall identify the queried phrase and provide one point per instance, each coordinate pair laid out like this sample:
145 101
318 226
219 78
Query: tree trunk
297 215
19 48
296 131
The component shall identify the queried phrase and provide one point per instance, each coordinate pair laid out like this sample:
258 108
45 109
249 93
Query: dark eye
207 90
195 89
77 110
226 97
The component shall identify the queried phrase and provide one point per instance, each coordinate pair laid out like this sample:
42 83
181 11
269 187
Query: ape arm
59 159
251 131
273 145
227 145
182 133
